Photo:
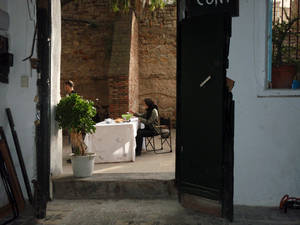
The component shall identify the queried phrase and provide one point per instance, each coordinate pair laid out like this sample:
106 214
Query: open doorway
137 69
118 60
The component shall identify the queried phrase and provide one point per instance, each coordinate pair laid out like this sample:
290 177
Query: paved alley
149 212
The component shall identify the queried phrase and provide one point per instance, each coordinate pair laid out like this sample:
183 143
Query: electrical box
4 20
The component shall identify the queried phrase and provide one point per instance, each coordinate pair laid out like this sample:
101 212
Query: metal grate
285 11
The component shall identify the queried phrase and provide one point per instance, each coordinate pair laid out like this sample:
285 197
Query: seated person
151 121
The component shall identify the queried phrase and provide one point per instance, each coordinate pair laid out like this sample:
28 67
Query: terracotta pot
283 75
229 83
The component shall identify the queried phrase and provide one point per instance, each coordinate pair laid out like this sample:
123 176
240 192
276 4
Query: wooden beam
17 191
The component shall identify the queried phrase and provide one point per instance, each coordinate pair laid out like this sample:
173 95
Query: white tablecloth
113 142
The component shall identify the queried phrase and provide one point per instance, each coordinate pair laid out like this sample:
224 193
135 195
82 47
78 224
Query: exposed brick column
123 69
118 95
134 67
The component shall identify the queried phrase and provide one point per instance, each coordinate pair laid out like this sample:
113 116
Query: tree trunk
78 143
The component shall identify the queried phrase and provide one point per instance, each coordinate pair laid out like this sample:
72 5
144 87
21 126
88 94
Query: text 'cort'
212 2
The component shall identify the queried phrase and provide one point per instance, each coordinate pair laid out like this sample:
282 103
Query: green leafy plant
280 31
156 4
120 6
76 115
124 6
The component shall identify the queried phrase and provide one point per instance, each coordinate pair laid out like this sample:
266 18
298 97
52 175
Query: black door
202 109
202 51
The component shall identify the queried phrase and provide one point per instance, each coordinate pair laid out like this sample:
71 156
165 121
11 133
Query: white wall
3 5
20 100
267 129
56 135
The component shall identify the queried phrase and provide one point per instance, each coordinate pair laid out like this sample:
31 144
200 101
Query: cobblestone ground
149 212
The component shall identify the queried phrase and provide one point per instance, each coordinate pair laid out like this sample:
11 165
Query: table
114 142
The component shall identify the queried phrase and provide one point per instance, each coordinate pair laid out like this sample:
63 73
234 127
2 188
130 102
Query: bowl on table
108 120
127 117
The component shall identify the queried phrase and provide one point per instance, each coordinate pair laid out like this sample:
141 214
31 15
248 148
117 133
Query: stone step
116 186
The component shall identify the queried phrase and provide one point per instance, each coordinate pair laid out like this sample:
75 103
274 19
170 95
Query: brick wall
87 29
146 50
157 58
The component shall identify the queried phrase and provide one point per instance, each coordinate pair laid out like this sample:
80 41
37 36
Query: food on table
119 120
127 116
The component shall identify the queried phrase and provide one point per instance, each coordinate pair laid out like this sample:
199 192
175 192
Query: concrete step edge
113 189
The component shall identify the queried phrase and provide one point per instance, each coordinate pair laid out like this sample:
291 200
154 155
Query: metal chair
165 137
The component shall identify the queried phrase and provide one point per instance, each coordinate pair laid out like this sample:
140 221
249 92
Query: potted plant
75 114
296 80
283 66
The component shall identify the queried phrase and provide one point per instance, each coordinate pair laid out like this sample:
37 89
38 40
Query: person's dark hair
151 106
70 83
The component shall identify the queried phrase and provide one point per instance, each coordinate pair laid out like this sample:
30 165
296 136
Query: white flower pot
83 166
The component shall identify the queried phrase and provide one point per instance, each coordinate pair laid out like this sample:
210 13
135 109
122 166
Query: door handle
205 81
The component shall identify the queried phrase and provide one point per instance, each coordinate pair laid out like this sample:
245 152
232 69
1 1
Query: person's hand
130 111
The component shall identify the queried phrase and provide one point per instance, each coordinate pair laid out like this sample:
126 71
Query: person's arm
138 114
153 117
143 115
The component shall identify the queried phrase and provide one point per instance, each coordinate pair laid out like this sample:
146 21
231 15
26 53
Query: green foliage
76 114
156 4
124 6
120 6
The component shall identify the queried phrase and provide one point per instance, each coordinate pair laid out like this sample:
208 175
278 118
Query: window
283 44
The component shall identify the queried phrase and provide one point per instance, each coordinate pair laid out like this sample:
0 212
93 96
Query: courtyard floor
149 212
148 162
141 211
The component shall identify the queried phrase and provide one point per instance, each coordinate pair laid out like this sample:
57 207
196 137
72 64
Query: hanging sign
200 7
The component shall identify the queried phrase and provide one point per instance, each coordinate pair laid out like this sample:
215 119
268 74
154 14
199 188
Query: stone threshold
119 176
116 186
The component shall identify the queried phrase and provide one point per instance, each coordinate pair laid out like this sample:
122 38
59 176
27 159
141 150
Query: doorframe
178 147
41 185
